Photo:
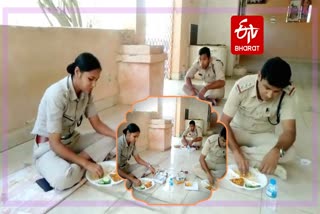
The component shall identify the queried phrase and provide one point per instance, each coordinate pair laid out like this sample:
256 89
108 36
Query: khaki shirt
212 73
213 152
250 113
60 109
125 151
192 134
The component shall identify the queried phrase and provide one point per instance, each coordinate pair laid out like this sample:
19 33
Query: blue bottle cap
273 181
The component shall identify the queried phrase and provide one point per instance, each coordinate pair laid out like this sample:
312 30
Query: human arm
189 76
242 163
144 163
101 127
130 177
205 167
67 154
230 109
197 139
286 138
218 82
285 141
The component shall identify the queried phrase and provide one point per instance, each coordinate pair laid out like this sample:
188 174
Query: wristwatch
282 152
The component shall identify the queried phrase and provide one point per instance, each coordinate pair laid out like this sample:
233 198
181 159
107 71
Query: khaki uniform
215 157
191 135
60 111
250 124
124 153
213 73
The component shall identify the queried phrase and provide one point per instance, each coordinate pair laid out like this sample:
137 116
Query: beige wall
142 119
214 28
182 104
37 57
287 40
197 110
181 35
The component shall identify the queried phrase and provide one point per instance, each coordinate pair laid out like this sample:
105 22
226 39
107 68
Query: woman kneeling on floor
61 154
127 148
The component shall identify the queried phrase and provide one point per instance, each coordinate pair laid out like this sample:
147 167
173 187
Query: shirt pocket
210 75
268 111
220 153
202 74
68 120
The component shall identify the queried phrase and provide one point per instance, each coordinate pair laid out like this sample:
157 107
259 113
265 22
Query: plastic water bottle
270 202
171 184
188 148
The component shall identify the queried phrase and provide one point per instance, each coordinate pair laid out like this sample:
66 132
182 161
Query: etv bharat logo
247 35
252 31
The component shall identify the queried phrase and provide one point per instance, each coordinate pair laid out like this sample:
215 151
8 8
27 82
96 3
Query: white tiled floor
173 161
297 188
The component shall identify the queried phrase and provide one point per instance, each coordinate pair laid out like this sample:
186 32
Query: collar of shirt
205 69
253 92
125 141
74 96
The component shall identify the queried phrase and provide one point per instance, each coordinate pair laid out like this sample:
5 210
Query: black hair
192 123
277 72
223 133
86 62
206 51
132 128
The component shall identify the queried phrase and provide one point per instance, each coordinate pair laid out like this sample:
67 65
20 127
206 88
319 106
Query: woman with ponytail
61 154
127 148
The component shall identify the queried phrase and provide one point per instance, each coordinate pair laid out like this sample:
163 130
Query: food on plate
178 181
142 187
148 184
94 177
105 180
188 184
248 176
115 177
209 187
252 185
238 181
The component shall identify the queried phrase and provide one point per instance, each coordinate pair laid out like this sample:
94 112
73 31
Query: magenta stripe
154 10
4 194
127 203
315 108
128 10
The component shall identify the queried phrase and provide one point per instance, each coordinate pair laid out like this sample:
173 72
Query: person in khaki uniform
192 136
61 154
127 148
213 158
255 105
213 77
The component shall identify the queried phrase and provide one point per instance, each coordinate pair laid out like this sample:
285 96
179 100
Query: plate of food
147 183
252 181
189 185
109 178
180 178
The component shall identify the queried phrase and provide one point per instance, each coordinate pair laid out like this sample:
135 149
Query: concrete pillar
141 72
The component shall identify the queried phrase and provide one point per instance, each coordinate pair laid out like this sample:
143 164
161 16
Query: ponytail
132 128
71 68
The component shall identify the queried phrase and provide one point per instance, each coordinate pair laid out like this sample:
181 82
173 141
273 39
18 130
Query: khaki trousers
211 94
62 174
256 146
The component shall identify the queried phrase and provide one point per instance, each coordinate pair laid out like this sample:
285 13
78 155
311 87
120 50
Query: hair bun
71 68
